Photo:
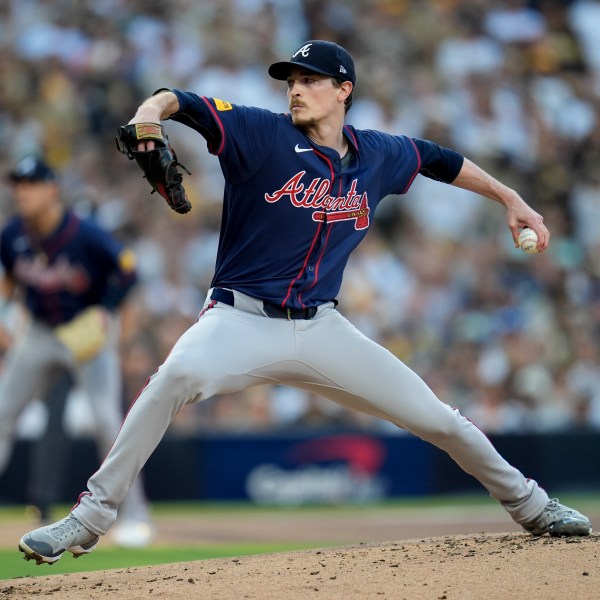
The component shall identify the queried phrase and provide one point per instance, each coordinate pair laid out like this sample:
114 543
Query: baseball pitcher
301 190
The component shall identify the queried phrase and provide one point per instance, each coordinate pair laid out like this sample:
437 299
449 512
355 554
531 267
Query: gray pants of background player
33 365
229 349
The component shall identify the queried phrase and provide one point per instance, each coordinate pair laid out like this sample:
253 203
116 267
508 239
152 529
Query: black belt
272 310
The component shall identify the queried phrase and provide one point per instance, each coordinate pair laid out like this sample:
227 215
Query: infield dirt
475 566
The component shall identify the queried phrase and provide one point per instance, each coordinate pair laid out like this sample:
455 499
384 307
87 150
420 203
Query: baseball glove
159 165
85 334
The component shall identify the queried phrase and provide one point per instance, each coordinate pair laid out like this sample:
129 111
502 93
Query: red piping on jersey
219 123
321 257
351 134
289 292
328 233
318 264
418 167
322 251
328 162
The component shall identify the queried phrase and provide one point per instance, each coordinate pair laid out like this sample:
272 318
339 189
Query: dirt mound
470 567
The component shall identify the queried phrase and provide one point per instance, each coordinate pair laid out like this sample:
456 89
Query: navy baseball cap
327 58
32 169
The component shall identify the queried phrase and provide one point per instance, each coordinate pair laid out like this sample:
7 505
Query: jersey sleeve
194 112
241 136
121 280
118 264
403 158
438 162
398 159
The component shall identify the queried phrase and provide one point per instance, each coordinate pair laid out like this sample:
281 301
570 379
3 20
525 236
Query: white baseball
528 240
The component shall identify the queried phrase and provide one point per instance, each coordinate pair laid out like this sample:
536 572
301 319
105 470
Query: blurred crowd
511 339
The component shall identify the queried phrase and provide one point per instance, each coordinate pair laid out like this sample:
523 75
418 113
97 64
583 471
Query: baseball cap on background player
31 169
327 58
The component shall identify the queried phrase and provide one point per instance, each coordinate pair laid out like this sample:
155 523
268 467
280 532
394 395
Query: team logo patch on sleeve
222 104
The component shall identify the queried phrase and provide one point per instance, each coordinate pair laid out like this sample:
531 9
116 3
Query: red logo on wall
363 454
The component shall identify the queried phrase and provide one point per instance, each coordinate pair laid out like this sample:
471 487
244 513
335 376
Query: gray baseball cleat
559 521
47 544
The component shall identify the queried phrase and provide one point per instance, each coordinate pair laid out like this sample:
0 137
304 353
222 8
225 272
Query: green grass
12 564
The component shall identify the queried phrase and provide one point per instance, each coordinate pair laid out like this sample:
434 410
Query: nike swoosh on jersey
298 149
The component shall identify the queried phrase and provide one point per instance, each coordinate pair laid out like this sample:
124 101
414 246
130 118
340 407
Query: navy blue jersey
292 215
78 265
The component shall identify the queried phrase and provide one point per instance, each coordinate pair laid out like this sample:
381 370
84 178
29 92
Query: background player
48 454
300 193
62 265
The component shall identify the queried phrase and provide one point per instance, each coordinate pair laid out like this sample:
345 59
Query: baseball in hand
528 240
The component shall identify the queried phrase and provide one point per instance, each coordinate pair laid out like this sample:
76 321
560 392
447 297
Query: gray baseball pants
32 367
231 348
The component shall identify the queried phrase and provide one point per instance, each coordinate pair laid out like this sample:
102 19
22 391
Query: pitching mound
472 567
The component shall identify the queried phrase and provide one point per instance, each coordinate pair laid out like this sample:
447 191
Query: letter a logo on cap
304 51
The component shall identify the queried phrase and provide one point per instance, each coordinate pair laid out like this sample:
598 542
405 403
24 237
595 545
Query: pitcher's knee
448 426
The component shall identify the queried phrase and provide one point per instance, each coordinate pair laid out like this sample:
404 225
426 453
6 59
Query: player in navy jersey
62 267
300 193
